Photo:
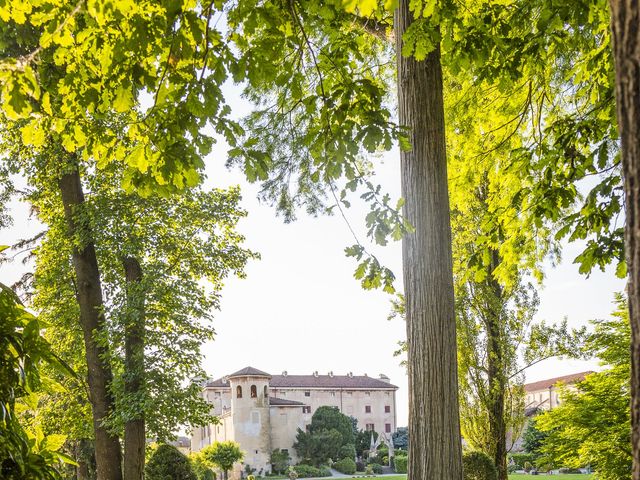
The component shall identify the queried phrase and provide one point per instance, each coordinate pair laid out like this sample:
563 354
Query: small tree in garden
478 466
280 460
168 462
223 455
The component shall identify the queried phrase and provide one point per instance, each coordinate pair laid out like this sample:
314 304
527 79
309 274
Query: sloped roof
249 371
546 384
283 402
313 381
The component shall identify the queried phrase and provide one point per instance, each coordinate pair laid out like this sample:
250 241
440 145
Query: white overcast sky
300 310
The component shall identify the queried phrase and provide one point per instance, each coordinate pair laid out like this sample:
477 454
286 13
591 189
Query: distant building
262 412
545 395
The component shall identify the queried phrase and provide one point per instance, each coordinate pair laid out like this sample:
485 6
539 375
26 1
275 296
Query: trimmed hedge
308 471
519 459
346 466
376 467
168 462
400 464
478 466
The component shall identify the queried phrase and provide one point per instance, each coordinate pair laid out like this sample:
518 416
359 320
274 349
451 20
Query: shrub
400 464
569 470
376 467
325 472
346 466
478 466
201 467
527 466
280 460
169 462
347 451
519 459
292 474
360 466
368 470
306 471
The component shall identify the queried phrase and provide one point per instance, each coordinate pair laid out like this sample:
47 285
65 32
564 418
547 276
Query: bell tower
251 417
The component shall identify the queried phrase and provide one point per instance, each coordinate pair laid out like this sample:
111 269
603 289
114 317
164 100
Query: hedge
400 464
519 459
478 466
346 466
168 462
307 471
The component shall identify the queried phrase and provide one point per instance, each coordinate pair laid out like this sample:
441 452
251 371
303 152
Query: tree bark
435 449
134 341
92 321
625 26
495 370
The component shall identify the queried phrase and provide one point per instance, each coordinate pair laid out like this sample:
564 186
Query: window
367 393
266 391
387 409
370 427
387 427
333 394
254 391
306 409
238 391
284 450
367 409
217 394
307 393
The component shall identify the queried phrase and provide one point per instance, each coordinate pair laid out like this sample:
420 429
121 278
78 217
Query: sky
299 309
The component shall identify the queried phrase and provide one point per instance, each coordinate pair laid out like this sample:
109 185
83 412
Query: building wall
285 422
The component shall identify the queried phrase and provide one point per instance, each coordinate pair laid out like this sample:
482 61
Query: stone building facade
263 412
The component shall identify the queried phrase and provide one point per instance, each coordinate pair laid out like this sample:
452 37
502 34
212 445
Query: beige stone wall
285 422
350 402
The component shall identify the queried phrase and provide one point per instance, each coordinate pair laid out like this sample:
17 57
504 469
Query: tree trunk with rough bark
435 449
134 338
495 374
625 26
92 322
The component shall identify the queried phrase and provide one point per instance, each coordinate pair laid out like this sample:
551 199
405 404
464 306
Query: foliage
346 466
168 462
478 466
201 467
308 471
400 464
25 453
520 459
375 467
280 460
363 440
223 455
347 451
591 425
400 438
532 437
330 435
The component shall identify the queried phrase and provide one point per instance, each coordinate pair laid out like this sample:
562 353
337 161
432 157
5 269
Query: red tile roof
546 384
311 381
249 372
283 402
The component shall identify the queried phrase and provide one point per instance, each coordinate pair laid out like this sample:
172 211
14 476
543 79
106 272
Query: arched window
254 391
238 391
266 391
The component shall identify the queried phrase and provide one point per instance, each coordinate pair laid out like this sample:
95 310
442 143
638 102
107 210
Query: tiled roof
546 384
313 381
283 402
249 371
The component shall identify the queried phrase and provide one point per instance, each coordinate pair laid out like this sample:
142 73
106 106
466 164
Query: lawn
568 476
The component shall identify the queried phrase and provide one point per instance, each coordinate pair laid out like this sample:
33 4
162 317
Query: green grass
568 476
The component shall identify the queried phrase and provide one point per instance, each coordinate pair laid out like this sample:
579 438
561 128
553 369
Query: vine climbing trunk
625 26
134 341
92 322
495 369
435 449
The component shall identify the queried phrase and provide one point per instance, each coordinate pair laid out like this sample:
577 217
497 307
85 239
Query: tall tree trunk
134 428
92 321
495 371
625 26
435 449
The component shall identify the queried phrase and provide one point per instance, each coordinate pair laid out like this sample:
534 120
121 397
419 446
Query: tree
401 438
223 454
532 438
280 461
625 17
591 425
169 462
328 435
328 418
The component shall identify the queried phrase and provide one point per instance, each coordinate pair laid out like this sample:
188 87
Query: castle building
545 394
263 412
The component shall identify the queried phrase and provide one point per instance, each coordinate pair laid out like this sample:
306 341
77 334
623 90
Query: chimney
366 375
284 373
384 378
350 374
315 374
331 374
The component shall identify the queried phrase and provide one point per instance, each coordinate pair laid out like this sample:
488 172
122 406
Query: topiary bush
400 464
478 466
168 463
346 466
376 467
